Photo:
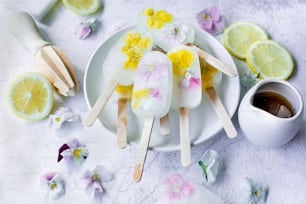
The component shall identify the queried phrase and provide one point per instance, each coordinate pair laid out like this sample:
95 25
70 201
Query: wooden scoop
49 60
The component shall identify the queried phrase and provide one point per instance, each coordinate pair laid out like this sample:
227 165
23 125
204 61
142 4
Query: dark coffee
274 103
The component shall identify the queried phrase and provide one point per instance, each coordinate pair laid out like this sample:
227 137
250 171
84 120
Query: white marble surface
29 149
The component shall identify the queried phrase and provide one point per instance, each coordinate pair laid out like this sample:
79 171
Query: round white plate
204 122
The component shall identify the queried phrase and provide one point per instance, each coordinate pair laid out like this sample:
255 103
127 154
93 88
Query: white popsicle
187 91
151 97
168 32
120 65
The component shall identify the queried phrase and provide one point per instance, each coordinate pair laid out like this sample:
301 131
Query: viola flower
141 95
175 188
174 33
62 115
134 44
152 71
253 192
157 19
181 61
210 20
84 29
74 152
92 181
54 184
189 80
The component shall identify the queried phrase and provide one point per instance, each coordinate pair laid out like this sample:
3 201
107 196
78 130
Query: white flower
54 184
62 115
253 192
211 165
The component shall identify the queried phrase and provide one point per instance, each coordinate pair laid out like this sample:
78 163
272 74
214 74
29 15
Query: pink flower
54 184
210 20
92 181
84 29
176 187
152 71
190 81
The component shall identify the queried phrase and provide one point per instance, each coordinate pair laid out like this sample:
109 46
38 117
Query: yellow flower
156 19
138 95
126 90
133 47
207 74
181 61
132 60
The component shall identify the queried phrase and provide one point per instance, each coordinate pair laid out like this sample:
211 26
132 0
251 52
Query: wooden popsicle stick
164 125
122 123
100 103
143 148
184 136
215 62
221 112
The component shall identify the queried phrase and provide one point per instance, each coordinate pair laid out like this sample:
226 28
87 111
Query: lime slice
239 36
30 96
269 59
83 7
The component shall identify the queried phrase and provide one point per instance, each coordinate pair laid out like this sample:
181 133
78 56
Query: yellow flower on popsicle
156 19
181 61
134 45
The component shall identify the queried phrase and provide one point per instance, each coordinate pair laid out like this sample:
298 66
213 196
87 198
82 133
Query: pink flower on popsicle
151 71
175 187
190 81
210 20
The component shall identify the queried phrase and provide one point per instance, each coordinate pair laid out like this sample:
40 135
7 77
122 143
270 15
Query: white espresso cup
264 128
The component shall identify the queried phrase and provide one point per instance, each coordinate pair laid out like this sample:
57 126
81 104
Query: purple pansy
92 181
210 20
54 184
74 152
86 28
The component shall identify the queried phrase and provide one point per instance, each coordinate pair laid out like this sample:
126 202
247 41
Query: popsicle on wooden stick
187 92
120 65
151 98
169 32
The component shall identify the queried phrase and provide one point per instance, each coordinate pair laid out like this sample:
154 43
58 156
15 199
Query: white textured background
29 149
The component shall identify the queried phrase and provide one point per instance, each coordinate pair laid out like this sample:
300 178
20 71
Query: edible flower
142 94
134 45
174 33
175 188
74 152
210 165
189 80
54 184
253 192
84 29
92 181
181 61
210 20
157 19
62 115
152 71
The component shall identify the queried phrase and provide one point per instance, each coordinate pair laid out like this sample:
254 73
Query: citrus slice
239 36
30 96
269 59
83 7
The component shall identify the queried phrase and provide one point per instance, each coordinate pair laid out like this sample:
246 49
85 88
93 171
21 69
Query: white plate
204 122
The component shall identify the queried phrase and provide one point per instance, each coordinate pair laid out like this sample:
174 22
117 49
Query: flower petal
61 149
214 14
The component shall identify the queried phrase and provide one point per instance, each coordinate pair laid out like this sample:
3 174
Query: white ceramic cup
261 127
